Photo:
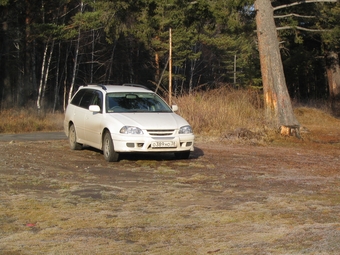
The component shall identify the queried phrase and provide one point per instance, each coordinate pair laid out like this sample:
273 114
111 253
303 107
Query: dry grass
28 120
222 110
216 113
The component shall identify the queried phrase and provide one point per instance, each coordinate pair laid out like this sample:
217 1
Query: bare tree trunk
57 83
41 84
34 65
192 71
75 66
333 75
92 57
46 73
108 77
278 108
65 79
44 76
192 68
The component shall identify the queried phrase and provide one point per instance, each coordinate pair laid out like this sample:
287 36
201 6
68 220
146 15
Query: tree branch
293 14
303 2
302 28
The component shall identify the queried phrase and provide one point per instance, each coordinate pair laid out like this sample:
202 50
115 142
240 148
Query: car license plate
165 144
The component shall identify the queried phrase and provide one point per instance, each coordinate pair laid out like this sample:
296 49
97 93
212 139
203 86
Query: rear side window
76 99
86 97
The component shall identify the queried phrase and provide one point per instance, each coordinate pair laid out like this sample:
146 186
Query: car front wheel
182 154
108 150
72 137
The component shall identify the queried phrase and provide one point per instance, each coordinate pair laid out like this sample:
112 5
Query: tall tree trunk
65 97
46 74
43 73
278 107
57 83
76 54
109 73
333 75
92 57
75 66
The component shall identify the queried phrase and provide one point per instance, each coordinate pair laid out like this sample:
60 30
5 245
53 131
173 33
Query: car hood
151 120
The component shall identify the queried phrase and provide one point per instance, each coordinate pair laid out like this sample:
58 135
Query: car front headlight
185 130
131 130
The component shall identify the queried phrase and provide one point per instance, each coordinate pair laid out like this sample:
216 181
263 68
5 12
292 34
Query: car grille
161 132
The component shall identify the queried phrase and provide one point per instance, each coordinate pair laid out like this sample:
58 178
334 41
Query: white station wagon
125 119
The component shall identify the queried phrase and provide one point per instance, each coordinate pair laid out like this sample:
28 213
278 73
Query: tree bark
42 78
75 67
333 75
278 107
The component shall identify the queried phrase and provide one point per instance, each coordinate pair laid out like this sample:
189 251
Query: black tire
108 149
72 138
182 154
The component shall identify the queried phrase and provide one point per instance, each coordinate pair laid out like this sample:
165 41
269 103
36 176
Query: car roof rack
100 85
135 85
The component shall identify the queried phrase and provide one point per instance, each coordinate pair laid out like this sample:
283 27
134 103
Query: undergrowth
219 112
29 120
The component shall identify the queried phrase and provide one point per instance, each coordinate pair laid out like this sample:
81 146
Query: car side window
97 99
77 98
86 99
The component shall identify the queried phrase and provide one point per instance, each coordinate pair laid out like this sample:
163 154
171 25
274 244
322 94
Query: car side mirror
174 107
94 108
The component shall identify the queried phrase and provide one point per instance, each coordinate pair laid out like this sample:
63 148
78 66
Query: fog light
130 145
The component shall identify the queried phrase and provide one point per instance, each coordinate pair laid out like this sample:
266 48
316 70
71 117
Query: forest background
49 48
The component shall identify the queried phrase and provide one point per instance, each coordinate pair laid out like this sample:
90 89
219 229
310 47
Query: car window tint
135 102
76 99
97 99
86 99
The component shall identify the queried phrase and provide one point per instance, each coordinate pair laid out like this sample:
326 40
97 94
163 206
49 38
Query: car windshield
135 102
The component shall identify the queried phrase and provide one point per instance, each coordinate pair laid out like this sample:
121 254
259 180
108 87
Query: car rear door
81 113
93 121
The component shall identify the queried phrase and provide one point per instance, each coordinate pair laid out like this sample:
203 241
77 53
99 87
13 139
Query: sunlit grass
210 113
222 110
29 120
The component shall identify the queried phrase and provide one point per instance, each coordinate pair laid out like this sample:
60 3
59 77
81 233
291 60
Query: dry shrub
222 110
29 120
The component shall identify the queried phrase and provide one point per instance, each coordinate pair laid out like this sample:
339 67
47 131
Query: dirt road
226 199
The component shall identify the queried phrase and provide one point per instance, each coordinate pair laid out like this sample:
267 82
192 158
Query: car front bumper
129 143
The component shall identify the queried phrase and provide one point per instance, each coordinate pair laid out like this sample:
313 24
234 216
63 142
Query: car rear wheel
72 137
182 154
108 150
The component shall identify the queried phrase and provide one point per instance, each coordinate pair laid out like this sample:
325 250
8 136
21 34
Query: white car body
147 130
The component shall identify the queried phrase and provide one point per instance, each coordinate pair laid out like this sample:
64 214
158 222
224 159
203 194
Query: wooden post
170 66
235 71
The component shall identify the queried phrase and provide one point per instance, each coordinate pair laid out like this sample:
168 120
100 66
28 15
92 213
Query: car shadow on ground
197 153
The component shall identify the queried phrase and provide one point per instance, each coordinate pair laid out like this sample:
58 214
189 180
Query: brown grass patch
29 120
222 110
